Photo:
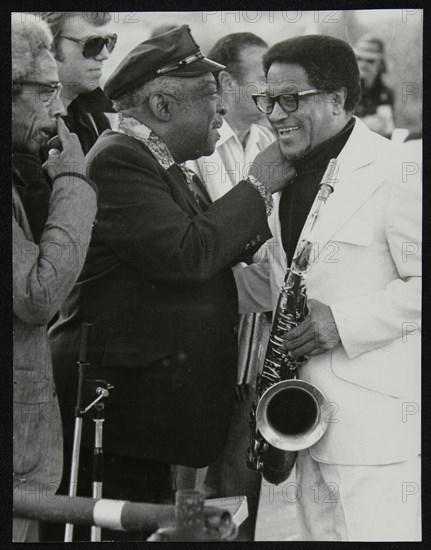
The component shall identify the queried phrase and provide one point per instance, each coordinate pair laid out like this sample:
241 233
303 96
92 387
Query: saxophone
287 415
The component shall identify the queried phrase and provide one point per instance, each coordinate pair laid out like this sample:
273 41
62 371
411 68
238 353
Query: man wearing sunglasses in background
82 43
361 481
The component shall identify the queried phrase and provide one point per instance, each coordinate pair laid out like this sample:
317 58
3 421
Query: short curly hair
330 63
29 38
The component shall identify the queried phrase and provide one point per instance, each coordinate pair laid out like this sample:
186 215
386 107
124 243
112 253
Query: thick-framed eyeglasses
93 45
288 102
48 92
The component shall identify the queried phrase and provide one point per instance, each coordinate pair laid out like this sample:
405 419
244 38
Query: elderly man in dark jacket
158 286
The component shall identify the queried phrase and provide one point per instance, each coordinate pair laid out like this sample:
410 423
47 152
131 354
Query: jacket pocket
379 370
34 414
27 443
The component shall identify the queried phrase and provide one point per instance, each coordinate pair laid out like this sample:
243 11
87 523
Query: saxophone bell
290 418
289 415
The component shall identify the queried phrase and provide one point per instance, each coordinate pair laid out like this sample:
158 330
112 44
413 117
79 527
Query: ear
226 81
160 107
338 99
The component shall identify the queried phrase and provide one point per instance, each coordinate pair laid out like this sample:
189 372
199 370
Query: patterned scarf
138 130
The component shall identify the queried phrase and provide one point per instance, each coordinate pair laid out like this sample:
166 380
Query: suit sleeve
258 289
44 273
146 227
374 320
254 285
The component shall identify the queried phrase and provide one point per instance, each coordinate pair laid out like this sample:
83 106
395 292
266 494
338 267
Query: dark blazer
158 288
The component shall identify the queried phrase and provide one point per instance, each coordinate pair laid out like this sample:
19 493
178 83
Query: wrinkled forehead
285 78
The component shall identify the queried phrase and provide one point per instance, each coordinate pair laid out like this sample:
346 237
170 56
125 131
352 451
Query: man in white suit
361 481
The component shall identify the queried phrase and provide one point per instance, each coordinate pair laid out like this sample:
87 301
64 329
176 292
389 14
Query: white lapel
353 186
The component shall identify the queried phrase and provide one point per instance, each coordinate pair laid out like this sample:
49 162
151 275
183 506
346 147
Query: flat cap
173 53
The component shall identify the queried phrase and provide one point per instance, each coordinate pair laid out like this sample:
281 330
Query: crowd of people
171 234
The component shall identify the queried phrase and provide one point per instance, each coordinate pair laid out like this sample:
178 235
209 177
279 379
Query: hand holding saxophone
317 334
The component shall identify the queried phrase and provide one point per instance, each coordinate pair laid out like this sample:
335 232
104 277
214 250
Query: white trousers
358 503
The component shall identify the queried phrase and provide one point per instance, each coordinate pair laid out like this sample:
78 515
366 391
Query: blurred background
401 31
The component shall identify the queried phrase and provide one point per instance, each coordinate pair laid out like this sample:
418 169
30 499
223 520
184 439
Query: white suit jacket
366 266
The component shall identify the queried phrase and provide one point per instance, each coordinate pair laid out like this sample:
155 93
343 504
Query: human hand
317 334
66 153
272 169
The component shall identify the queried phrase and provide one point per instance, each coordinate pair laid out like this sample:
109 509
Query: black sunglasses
288 102
93 45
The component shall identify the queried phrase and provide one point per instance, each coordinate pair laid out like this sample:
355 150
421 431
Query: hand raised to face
66 153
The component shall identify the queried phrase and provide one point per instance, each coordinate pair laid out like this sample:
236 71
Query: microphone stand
98 418
82 364
101 391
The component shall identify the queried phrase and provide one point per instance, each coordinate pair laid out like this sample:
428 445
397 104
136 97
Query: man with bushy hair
364 290
41 279
81 44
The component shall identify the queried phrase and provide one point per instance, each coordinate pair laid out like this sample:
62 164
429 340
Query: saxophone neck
301 260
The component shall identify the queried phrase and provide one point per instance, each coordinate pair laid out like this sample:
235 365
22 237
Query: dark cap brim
196 68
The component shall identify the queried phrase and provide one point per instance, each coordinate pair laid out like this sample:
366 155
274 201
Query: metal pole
96 532
73 482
